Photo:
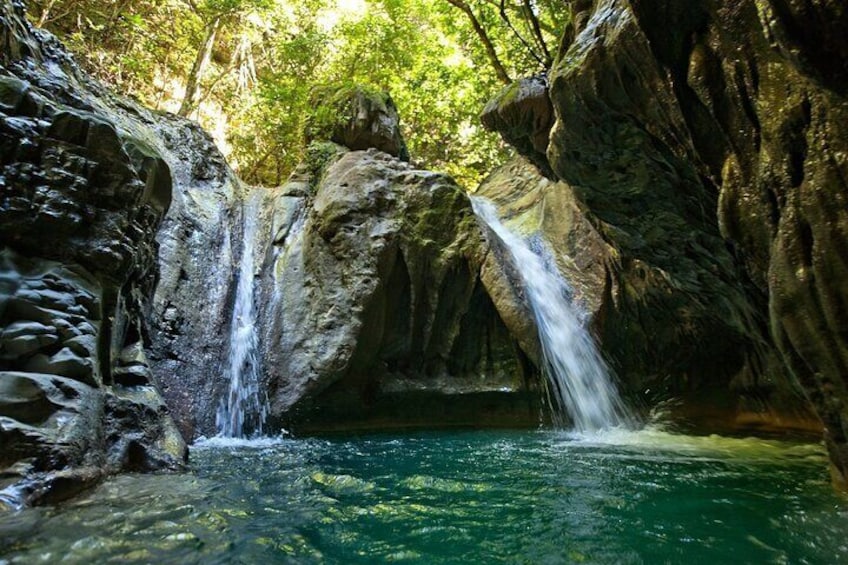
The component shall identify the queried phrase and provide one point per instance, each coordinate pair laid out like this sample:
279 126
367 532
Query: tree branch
500 71
537 30
505 18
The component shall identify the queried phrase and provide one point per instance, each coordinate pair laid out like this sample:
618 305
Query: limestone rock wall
200 248
370 304
686 316
382 316
82 192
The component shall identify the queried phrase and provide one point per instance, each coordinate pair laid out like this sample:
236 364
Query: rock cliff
123 233
82 191
705 141
370 305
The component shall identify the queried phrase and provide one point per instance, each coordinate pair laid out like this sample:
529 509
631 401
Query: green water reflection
458 497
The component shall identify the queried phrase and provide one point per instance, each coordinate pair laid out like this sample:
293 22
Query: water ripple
459 497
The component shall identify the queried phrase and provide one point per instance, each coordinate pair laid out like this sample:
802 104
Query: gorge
678 199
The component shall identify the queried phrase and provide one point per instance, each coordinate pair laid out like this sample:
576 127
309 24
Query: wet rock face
681 315
80 199
381 315
200 247
708 142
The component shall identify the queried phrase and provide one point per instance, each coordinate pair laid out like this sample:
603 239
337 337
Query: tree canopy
245 68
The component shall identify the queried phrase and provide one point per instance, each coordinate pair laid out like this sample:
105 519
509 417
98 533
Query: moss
509 94
357 116
332 108
319 156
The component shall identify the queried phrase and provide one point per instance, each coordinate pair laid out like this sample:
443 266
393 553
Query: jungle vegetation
244 68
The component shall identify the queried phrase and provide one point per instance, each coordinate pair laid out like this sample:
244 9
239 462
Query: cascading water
244 408
579 382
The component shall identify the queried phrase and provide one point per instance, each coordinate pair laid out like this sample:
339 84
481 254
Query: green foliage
270 56
319 155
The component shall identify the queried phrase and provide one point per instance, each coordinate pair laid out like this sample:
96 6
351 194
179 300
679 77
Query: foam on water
654 439
12 497
220 442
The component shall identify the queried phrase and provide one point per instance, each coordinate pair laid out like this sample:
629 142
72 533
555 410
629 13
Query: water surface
457 497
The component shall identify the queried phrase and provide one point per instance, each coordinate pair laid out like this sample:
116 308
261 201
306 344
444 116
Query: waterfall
244 408
579 382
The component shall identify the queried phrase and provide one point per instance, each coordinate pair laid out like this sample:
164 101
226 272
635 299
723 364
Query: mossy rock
356 116
523 115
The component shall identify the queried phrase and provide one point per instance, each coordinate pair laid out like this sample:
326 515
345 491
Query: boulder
522 113
356 117
369 303
382 318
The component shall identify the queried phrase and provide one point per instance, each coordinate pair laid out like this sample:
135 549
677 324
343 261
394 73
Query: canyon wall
705 141
82 192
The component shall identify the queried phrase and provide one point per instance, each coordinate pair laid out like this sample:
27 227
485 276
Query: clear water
244 407
457 497
582 391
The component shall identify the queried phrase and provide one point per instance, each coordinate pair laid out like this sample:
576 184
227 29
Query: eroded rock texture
686 317
707 142
396 324
201 241
81 197
522 113
370 305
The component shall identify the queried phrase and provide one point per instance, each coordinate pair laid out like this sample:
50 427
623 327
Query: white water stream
580 387
244 408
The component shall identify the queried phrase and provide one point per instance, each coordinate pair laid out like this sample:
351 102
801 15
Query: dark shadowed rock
79 208
523 115
707 140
